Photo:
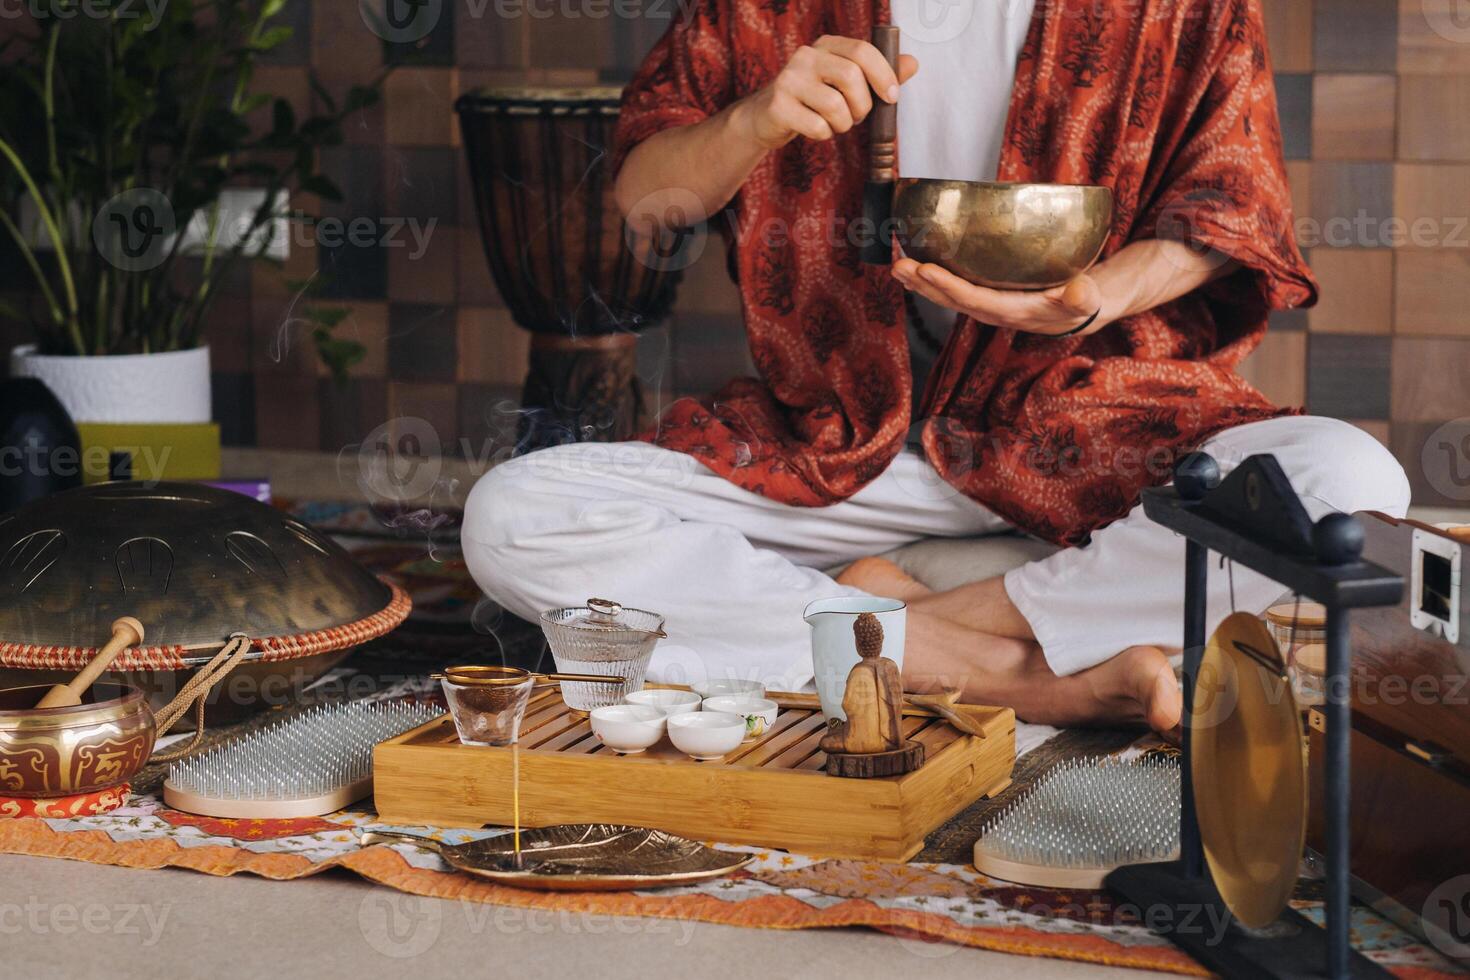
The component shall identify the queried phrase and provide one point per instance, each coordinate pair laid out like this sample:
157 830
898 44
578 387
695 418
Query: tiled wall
1375 98
1375 104
441 344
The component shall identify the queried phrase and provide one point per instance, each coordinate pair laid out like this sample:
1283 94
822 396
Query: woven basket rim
269 648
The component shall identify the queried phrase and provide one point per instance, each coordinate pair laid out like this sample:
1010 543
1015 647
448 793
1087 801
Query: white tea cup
834 648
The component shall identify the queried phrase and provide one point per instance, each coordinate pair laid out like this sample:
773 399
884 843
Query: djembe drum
561 258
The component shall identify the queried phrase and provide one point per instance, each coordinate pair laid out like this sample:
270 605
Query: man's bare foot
881 577
1139 680
1135 687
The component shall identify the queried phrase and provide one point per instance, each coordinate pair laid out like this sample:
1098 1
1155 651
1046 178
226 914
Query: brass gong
1246 752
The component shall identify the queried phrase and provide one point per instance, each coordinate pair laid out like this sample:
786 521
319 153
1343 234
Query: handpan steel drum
194 564
560 257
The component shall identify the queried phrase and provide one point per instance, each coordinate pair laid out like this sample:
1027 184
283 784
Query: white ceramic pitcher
834 649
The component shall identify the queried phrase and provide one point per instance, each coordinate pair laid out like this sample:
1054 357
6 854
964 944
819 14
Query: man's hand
1138 277
826 88
1053 311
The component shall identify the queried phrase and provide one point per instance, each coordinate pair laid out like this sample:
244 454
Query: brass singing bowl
1003 235
48 752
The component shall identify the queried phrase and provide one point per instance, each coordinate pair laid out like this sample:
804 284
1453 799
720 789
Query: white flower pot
130 388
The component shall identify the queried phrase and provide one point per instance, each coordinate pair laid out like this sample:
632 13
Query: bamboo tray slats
771 791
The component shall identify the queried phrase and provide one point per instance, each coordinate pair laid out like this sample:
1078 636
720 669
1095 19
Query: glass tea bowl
601 638
488 702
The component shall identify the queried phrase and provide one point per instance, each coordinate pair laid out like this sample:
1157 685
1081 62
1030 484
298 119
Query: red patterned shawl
1169 102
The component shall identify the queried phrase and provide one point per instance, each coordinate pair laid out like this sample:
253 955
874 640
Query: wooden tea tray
771 792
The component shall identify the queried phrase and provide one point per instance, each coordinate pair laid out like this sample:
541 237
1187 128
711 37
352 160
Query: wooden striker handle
943 705
126 632
883 120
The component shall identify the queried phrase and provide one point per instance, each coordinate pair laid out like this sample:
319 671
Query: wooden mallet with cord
126 632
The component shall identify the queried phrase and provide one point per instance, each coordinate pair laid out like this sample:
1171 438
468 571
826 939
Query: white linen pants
732 571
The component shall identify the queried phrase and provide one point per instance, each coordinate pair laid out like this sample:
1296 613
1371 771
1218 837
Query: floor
63 918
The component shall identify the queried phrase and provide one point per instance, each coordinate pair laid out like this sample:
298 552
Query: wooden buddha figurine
870 742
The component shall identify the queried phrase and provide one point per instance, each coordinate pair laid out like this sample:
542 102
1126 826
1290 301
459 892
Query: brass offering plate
1246 750
581 857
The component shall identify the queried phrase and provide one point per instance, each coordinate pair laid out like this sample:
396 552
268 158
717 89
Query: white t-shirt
952 114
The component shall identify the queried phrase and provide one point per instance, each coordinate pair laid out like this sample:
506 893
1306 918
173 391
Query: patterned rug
919 902
937 899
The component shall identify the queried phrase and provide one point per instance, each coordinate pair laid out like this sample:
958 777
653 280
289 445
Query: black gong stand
1255 518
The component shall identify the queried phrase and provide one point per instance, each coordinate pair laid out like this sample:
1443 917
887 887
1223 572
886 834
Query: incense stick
515 796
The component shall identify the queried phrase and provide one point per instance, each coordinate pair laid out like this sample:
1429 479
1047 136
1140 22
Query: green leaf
271 39
326 316
173 103
338 354
252 102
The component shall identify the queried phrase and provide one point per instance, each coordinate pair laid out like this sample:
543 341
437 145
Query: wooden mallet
126 632
943 705
882 160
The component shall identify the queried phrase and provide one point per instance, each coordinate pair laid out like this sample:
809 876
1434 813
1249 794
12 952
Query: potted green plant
139 162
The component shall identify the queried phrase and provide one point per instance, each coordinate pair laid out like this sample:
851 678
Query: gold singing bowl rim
68 716
494 675
1250 774
1003 234
59 752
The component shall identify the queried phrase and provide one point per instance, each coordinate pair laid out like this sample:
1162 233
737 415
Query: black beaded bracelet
1083 325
